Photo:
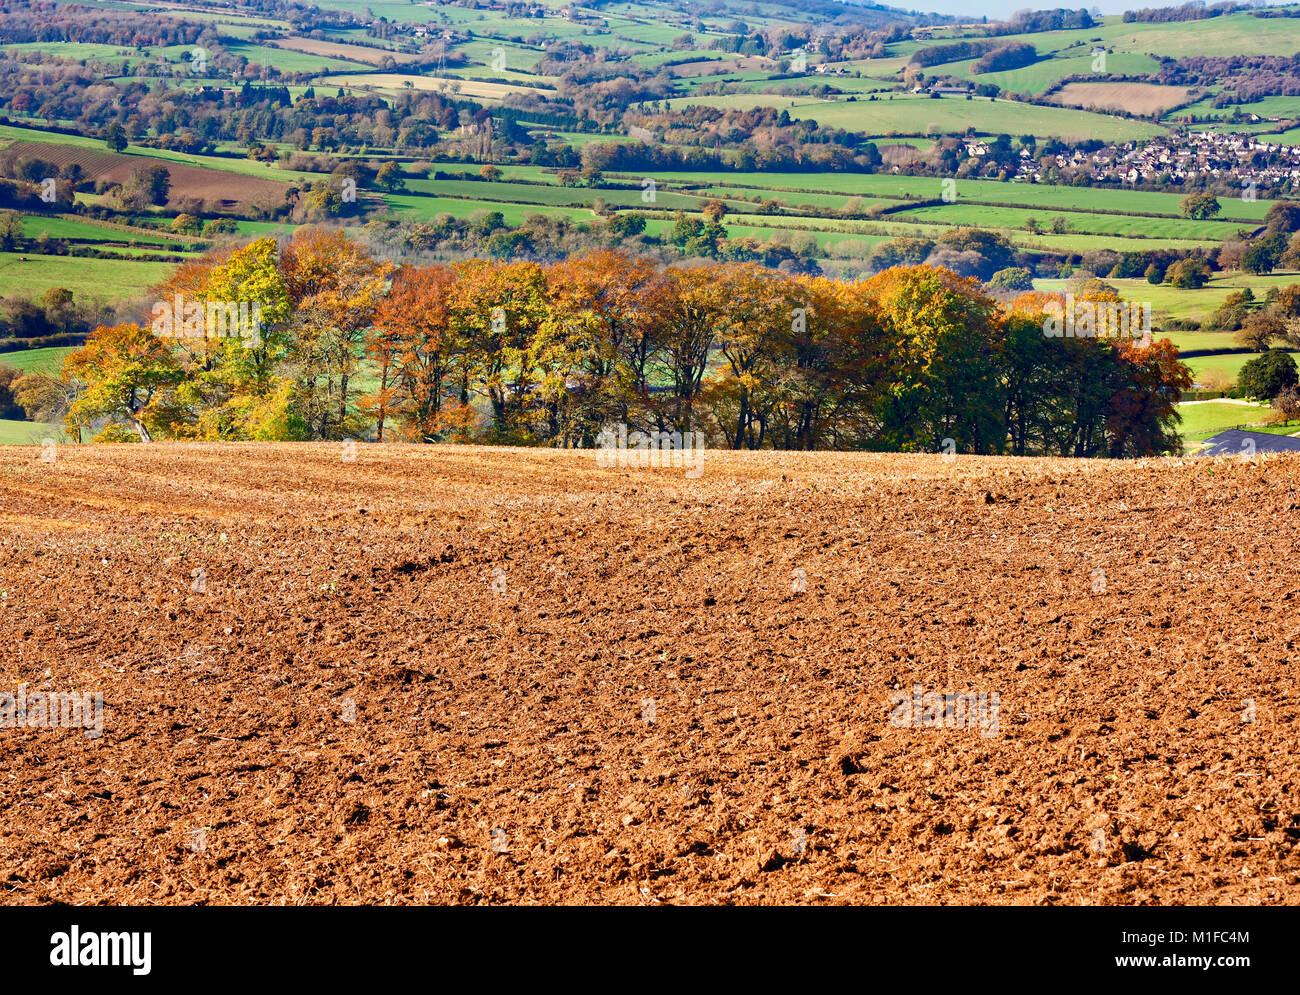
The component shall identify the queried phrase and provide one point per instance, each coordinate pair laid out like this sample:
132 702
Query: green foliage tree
1187 274
390 178
1263 254
1200 206
115 137
1013 278
1266 376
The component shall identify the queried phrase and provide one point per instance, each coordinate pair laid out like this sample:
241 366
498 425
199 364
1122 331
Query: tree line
353 346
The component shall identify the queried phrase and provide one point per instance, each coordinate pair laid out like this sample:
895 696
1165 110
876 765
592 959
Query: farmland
355 53
1038 76
393 83
668 453
214 187
917 115
113 280
1140 98
1203 418
709 737
530 139
45 360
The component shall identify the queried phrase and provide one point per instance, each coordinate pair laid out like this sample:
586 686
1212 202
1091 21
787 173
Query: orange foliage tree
915 358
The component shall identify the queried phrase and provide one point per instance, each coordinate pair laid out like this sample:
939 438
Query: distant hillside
874 15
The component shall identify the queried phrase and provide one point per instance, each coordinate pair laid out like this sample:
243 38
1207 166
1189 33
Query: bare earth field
478 676
342 50
1140 98
221 190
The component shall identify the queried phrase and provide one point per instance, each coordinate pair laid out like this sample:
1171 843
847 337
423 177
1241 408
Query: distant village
1246 160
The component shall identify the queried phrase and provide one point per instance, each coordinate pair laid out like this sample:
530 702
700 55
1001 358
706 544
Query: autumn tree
759 311
236 385
827 368
1030 367
497 310
944 381
1143 419
605 323
906 360
414 354
1259 330
692 316
390 178
334 287
123 369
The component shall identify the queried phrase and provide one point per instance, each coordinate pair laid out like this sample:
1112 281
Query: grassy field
287 60
886 185
81 231
908 114
1209 368
29 433
1040 75
552 195
1201 341
427 208
84 51
111 280
1189 304
888 228
1267 107
981 216
1203 418
35 360
1230 35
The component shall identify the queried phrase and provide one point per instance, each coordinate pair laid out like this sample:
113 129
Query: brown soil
342 50
502 750
220 190
719 67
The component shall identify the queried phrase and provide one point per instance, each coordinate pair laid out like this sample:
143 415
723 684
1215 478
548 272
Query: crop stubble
501 748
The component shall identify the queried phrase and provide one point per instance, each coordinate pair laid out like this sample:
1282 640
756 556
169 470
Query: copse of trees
55 318
1058 19
525 353
1012 56
935 55
1187 12
166 113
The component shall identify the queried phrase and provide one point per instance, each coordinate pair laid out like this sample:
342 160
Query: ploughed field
469 675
